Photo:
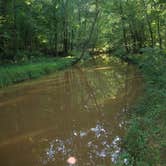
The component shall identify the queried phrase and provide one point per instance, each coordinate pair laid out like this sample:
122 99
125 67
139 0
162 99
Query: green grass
145 141
11 74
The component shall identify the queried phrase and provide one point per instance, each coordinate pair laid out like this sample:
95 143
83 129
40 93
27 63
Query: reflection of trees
77 90
107 83
80 113
98 142
89 89
82 89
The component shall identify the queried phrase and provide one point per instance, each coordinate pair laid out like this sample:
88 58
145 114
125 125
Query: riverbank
11 74
145 141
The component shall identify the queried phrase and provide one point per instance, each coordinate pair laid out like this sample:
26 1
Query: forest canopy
60 27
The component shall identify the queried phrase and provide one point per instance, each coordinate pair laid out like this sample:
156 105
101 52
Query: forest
39 37
30 28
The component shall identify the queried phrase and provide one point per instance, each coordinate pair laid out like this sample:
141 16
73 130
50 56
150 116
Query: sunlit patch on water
71 161
116 149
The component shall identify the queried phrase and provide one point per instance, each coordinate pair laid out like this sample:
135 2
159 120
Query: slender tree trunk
56 42
15 40
72 39
142 35
65 40
158 30
65 25
158 22
123 28
133 36
90 34
55 37
3 13
149 24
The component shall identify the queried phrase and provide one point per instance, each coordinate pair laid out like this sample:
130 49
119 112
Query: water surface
78 112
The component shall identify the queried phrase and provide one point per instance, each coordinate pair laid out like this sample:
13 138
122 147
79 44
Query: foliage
145 139
10 74
52 27
57 27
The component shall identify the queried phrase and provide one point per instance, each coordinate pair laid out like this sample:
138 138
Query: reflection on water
75 114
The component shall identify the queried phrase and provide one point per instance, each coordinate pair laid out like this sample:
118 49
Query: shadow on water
78 112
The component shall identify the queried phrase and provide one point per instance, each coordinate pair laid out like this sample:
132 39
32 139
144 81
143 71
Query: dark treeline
60 27
53 27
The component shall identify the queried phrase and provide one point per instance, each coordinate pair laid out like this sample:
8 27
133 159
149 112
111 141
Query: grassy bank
145 141
10 74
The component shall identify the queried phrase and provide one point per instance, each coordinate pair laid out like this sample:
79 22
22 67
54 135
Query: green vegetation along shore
10 74
145 141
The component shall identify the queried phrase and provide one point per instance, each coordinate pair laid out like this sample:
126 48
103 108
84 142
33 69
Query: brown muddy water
79 112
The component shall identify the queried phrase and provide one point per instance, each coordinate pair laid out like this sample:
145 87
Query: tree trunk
15 37
3 13
123 28
149 24
90 34
158 30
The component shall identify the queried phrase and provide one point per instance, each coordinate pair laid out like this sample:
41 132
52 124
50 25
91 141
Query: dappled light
71 160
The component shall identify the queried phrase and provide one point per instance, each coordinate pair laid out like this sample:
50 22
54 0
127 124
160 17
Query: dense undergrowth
10 74
145 141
